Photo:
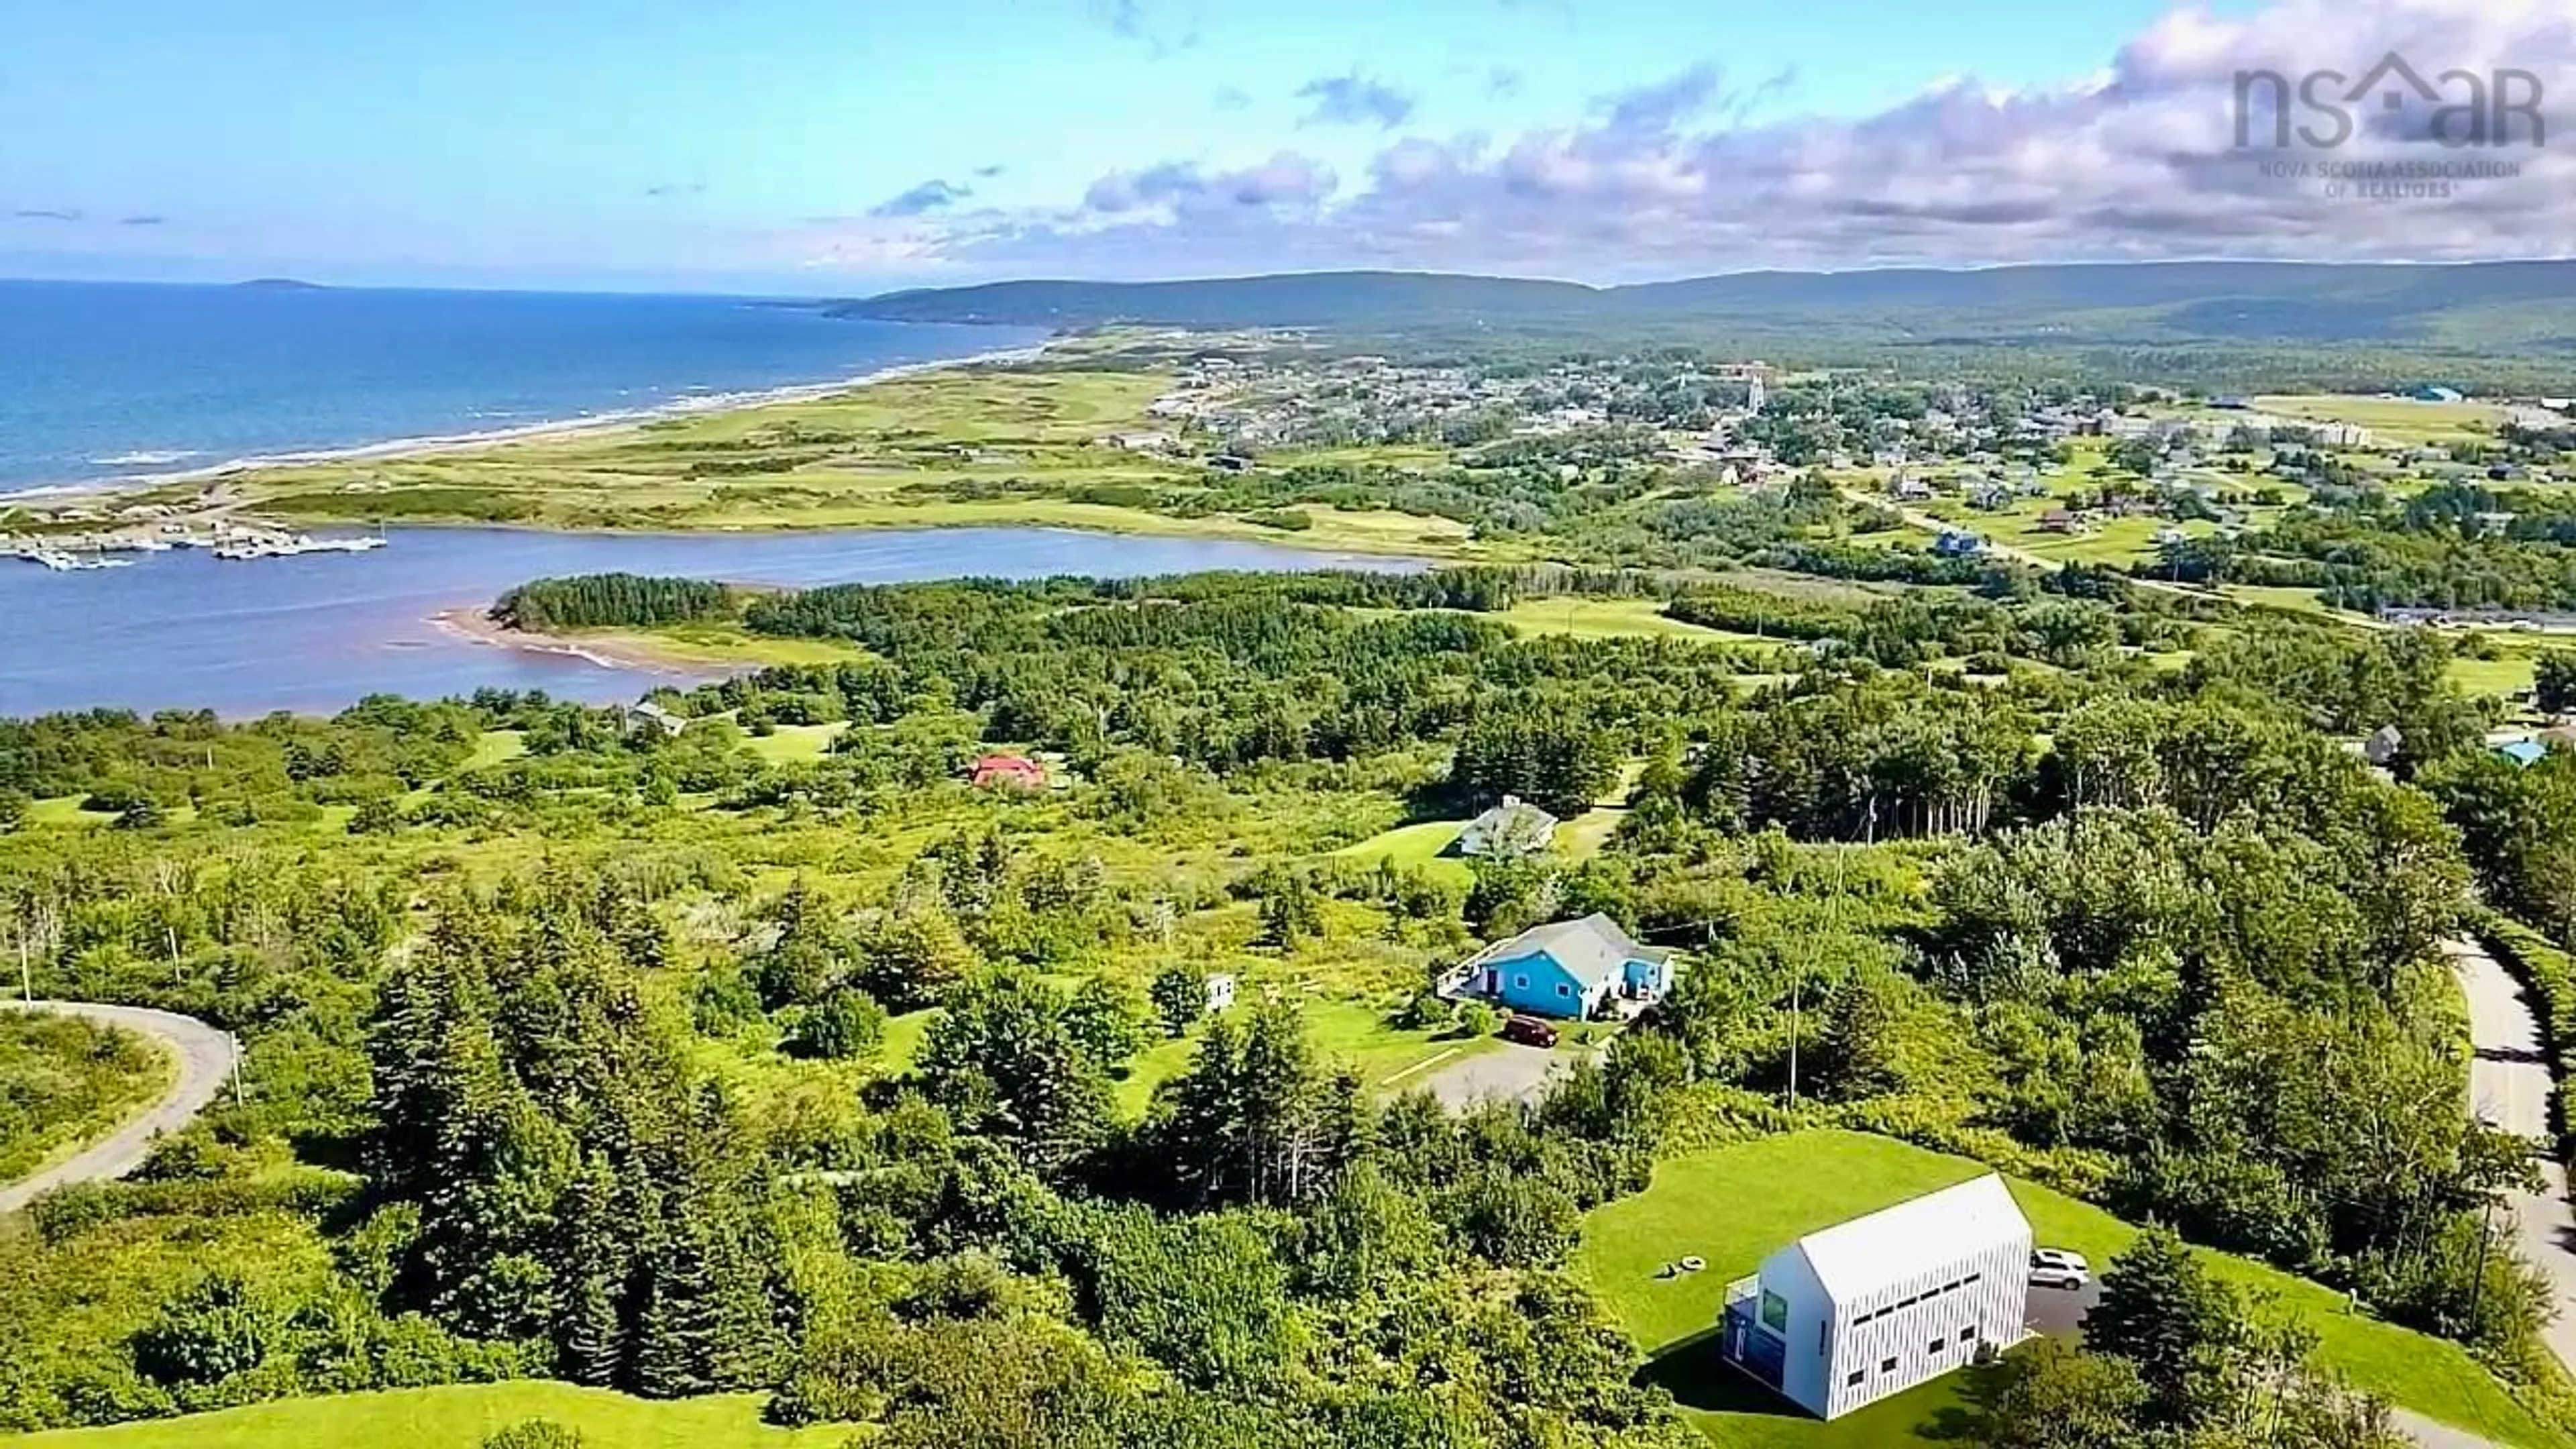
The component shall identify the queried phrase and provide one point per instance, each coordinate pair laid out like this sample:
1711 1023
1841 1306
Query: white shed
1864 1309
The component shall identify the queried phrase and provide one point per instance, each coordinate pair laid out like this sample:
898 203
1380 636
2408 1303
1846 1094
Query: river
314 633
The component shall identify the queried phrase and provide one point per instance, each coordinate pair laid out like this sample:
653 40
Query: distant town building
651 718
1007 772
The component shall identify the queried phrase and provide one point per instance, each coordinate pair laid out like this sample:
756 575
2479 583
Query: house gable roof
1591 949
1493 821
1855 1259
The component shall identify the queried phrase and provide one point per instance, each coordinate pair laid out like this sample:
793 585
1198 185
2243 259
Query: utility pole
2478 1281
233 1040
1795 982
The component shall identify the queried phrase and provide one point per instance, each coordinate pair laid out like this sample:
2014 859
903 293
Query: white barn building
1864 1309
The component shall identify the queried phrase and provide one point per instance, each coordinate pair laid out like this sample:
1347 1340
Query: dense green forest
600 600
774 1056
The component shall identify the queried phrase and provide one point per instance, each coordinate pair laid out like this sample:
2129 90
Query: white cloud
1669 178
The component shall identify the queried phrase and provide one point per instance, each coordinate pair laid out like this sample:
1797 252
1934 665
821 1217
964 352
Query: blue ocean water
313 633
103 380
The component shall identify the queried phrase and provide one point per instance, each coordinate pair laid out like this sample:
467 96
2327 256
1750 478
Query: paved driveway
1509 1072
2059 1312
2509 1086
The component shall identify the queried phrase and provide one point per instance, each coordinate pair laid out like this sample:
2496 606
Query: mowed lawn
794 744
458 1417
1734 1205
1422 845
1609 619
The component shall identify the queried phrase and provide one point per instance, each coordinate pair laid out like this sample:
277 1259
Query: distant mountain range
2469 309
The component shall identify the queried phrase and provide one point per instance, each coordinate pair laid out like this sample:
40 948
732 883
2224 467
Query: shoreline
41 495
470 624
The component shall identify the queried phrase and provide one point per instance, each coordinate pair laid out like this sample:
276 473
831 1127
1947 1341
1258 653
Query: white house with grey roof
1846 1316
1513 828
1569 969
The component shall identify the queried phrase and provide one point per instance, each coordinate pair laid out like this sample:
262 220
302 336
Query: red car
1529 1031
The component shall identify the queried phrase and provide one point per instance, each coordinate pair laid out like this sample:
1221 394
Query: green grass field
952 447
1608 619
790 744
2392 419
63 810
2510 672
1418 846
458 1417
1734 1205
1354 1033
496 747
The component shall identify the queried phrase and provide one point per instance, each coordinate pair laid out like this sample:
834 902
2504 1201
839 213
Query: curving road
2510 1087
205 1063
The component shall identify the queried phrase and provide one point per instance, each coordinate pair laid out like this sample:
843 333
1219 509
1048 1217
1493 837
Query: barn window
1968 1334
1822 1329
1852 1380
1937 1345
1564 990
1887 1365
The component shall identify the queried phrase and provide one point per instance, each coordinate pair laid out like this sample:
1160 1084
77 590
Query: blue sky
804 146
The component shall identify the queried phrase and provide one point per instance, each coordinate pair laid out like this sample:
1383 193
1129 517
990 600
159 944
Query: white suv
2057 1268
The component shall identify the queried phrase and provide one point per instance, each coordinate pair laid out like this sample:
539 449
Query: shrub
846 1025
534 1434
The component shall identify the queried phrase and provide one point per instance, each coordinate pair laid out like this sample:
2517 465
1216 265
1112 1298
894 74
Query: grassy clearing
792 744
1583 836
1607 619
1355 1033
1734 1205
459 1417
2508 673
2294 600
1423 845
65 1081
721 643
63 810
495 747
956 447
2398 420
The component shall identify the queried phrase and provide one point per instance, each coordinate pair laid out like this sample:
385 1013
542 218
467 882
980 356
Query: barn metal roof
1894 1244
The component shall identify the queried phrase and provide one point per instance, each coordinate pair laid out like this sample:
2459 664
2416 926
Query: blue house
1569 969
2523 752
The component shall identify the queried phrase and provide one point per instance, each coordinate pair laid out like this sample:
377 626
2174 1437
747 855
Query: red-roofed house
1009 770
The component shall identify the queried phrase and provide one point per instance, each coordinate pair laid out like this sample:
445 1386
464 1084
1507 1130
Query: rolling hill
2449 320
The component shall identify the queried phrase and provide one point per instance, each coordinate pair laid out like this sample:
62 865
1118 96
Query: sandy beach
473 624
71 494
